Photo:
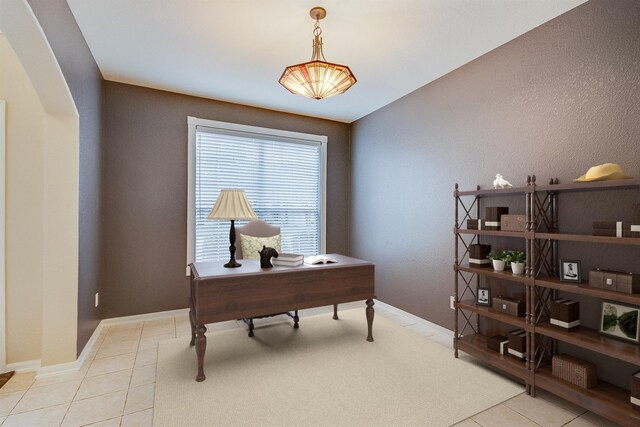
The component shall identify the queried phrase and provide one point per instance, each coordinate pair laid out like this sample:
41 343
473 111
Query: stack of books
289 260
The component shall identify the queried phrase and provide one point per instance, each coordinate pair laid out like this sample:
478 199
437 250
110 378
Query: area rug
323 374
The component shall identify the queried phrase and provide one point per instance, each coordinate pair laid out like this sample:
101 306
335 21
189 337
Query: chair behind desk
259 228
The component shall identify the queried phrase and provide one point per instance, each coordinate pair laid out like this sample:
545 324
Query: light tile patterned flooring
116 385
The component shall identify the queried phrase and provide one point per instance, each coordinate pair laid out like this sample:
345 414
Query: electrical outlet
97 298
452 302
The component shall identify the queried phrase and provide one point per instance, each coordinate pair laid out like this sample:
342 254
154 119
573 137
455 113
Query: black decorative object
265 256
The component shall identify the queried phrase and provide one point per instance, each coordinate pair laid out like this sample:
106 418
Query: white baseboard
47 371
417 319
26 366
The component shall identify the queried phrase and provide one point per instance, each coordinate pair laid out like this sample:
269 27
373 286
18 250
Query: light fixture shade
232 204
317 79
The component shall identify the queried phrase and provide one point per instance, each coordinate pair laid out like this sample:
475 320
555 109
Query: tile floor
116 385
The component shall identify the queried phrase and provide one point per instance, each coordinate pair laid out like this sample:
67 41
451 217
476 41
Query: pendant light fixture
317 78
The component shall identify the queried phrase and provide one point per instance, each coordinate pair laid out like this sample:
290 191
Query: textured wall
552 102
145 190
85 82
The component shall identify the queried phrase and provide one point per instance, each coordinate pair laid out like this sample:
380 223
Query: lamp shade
317 79
232 204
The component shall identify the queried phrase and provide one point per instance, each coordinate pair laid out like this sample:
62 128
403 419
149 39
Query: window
283 174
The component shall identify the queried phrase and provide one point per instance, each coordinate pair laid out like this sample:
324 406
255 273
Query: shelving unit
540 284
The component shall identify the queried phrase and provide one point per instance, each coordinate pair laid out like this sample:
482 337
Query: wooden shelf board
488 312
582 289
488 271
619 184
496 191
476 346
520 234
590 339
589 238
605 399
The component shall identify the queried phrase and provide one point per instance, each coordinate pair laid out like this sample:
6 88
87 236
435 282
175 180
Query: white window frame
193 122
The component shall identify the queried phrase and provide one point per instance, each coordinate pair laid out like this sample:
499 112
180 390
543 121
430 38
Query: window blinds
281 176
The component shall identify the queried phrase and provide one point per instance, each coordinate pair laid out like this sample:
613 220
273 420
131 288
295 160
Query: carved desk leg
370 313
335 311
201 346
192 323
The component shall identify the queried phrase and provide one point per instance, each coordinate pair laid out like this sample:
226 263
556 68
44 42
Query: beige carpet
323 374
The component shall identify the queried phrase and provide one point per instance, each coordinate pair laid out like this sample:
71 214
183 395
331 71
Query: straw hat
603 172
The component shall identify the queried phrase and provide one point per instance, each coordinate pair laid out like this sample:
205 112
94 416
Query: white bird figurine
501 182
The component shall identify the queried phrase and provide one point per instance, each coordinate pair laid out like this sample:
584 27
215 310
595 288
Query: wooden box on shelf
474 224
565 313
618 281
612 228
511 306
512 223
635 390
518 344
478 255
576 371
498 343
492 216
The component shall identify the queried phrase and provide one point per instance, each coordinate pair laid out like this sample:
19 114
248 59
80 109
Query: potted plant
498 259
516 259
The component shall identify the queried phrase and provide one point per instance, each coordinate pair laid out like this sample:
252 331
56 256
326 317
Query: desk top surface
206 269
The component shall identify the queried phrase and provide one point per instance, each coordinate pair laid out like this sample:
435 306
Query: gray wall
85 82
145 190
553 102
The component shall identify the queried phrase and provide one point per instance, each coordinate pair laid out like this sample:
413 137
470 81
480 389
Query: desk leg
192 322
335 311
370 313
201 346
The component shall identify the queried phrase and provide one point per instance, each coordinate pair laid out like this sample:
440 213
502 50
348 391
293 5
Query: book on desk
319 259
288 260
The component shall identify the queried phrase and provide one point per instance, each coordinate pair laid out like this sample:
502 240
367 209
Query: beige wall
24 206
41 197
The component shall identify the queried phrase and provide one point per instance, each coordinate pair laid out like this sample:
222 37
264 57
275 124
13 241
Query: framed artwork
619 321
570 271
484 296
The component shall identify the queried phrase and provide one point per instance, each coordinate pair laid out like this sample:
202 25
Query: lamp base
233 264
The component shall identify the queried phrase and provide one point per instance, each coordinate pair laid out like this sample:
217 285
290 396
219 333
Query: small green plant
498 255
515 256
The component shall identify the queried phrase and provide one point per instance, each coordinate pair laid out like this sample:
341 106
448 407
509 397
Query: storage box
635 213
612 228
478 255
512 223
635 230
576 371
565 313
619 281
518 344
635 390
492 216
507 305
474 224
498 343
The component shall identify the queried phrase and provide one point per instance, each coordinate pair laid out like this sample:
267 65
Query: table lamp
232 205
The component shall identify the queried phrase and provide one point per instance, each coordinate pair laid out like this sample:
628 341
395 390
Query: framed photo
570 271
484 296
619 321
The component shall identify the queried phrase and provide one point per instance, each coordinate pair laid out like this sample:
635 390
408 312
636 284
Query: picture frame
483 297
570 271
620 321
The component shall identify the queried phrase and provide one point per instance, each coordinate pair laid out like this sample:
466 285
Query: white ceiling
236 50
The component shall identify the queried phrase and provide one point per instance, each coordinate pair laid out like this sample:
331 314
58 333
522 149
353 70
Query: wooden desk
219 293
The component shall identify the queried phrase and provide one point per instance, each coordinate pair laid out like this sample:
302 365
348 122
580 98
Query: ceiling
236 50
